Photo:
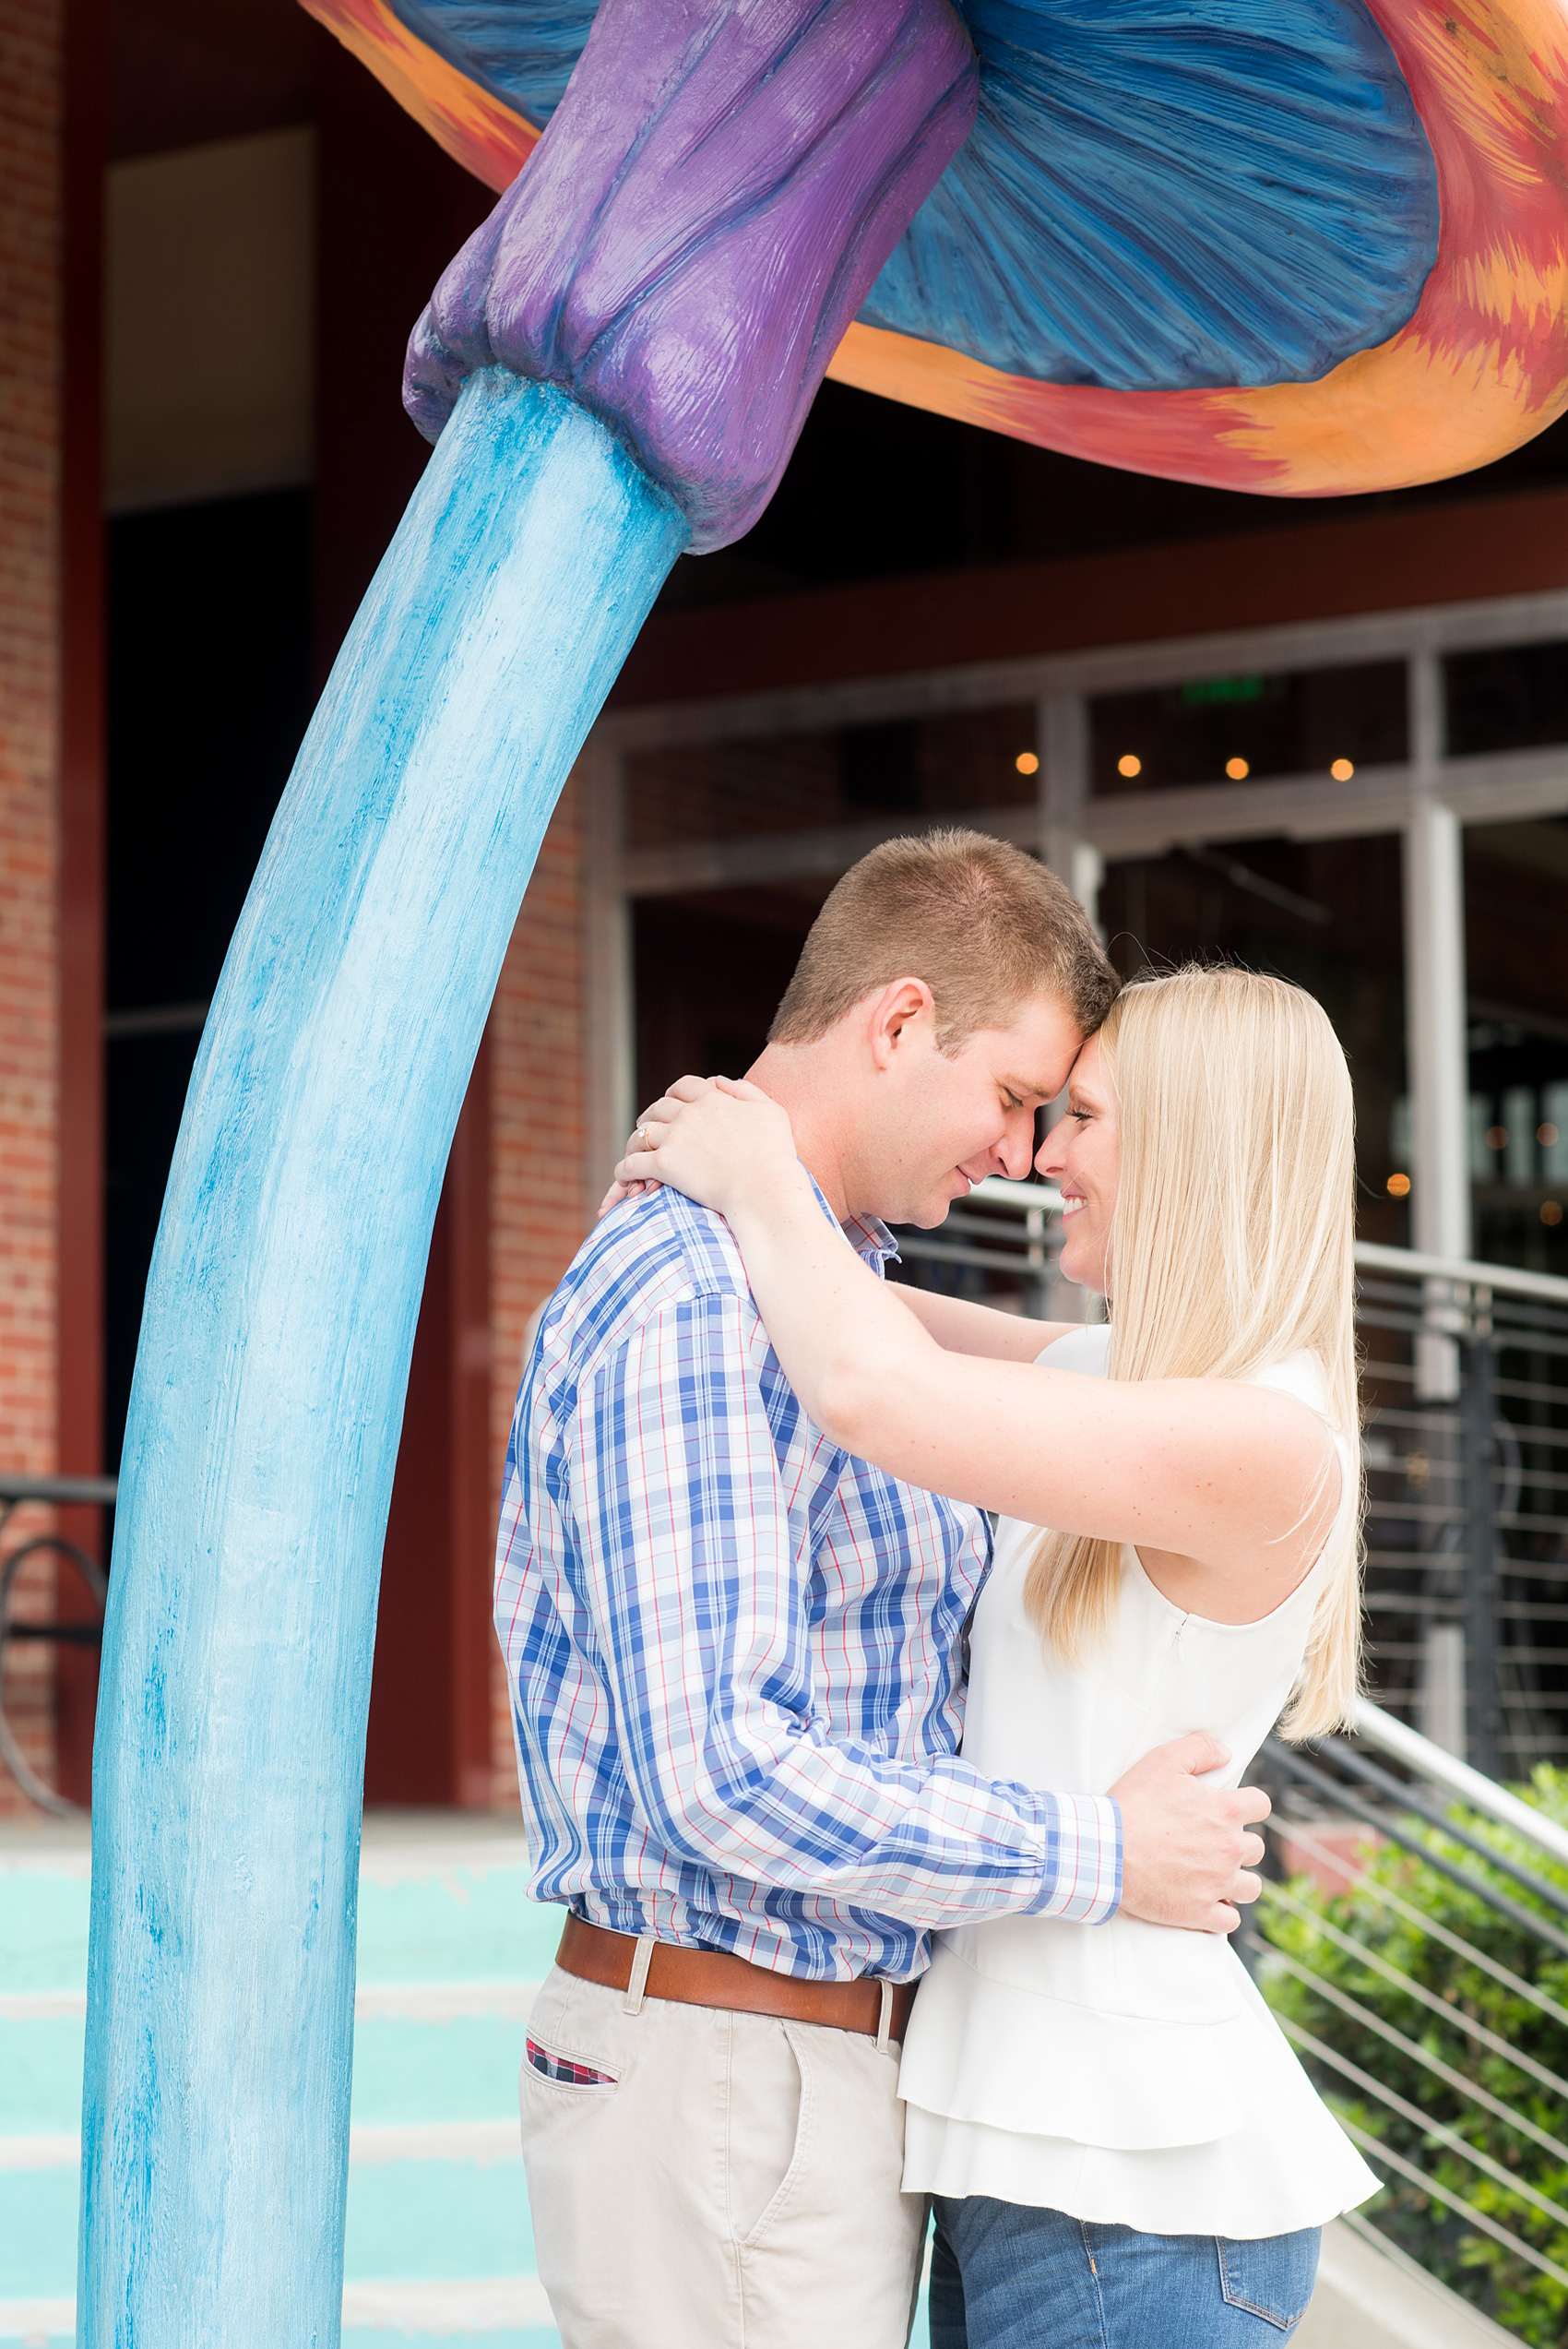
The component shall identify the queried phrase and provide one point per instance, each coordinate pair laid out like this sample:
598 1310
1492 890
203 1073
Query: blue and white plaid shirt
734 1649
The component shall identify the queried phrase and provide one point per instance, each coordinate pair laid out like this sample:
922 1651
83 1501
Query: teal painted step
40 2076
428 1917
43 1929
408 2221
38 2234
464 2070
414 2222
404 2072
460 1924
463 1923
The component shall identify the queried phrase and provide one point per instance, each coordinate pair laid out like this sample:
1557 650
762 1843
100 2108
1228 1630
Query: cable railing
1412 1940
1465 1395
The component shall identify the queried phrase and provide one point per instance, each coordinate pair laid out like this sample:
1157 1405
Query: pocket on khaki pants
767 2123
836 2254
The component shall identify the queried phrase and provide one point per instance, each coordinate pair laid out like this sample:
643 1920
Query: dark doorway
709 970
209 695
210 688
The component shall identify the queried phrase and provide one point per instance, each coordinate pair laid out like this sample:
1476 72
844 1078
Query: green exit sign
1212 689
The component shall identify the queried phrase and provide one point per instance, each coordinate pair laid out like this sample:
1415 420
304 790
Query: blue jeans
1006 2277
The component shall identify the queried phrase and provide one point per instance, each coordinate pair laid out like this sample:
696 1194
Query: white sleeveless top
1123 2072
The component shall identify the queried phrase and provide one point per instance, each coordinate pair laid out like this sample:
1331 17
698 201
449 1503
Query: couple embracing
899 1854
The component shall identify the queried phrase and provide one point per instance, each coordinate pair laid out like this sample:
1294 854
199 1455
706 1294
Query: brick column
538 1087
31 69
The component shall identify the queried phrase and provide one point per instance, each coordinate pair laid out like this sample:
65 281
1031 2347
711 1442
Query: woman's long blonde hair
1231 1246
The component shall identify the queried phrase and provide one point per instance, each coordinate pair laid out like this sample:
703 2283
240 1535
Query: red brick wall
31 78
538 1042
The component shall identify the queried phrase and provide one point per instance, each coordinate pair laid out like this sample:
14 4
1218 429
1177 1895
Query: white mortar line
36 2320
490 2304
46 2152
436 2141
369 2142
374 2002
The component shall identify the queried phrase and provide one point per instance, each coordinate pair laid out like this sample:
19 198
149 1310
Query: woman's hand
684 1089
720 1141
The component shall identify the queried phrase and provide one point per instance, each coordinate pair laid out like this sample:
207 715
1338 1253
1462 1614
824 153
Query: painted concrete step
507 2313
409 2221
406 2073
441 1902
1370 2295
450 1954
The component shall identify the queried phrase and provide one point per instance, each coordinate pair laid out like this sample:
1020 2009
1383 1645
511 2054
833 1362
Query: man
735 1655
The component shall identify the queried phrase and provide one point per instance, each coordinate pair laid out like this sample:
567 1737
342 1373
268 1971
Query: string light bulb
1238 769
1129 764
1026 763
1341 770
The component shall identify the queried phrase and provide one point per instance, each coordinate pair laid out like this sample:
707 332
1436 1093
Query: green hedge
1529 2303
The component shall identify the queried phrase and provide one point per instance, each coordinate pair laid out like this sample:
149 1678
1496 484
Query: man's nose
1016 1147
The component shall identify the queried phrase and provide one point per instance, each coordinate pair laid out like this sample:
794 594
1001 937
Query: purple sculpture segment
706 214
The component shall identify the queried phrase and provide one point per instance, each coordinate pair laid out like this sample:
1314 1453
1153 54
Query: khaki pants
737 2187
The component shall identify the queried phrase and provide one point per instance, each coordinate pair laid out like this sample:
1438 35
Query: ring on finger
644 1137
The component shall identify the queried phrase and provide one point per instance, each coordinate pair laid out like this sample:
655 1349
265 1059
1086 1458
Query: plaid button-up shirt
734 1649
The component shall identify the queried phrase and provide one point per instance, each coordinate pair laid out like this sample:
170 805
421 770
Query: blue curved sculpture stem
274 1356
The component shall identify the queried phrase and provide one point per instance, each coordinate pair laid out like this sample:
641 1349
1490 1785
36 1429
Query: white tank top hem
1124 2072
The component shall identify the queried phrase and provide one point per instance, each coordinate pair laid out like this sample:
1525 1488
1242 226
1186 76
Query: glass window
1216 730
1324 914
1516 953
954 764
1513 697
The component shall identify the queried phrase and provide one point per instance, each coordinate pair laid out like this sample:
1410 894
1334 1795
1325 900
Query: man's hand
1187 1856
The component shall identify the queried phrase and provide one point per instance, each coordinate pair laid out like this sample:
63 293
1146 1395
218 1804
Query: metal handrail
1505 1280
1469 1272
1472 1787
63 1492
54 1492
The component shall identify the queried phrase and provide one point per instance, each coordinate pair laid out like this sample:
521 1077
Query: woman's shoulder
1086 1351
1300 1375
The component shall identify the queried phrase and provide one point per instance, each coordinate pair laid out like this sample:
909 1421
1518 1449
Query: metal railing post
1478 1412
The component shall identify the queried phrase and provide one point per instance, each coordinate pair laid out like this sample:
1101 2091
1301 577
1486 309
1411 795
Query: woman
1121 2147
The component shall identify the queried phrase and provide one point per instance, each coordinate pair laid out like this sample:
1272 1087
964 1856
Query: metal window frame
1428 800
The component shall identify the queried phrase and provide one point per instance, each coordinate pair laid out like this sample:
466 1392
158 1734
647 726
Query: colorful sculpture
1295 247
1298 250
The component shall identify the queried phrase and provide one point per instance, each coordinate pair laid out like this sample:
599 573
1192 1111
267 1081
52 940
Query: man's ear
903 1005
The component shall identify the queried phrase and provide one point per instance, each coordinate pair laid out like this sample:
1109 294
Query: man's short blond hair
984 925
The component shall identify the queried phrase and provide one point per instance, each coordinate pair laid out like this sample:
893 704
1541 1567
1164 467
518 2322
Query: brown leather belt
714 1978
